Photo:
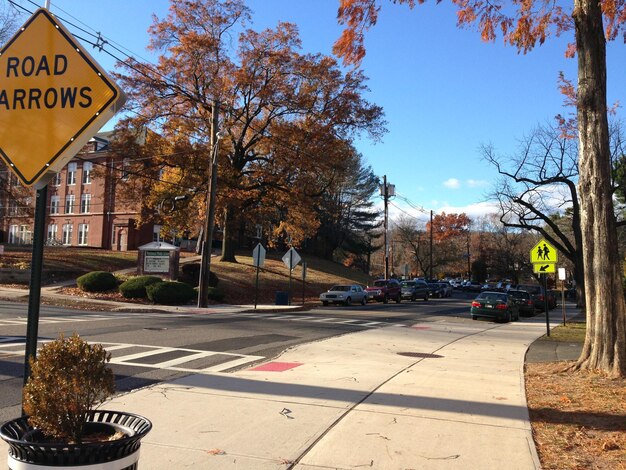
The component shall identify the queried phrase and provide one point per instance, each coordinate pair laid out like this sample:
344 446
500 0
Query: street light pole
386 199
205 265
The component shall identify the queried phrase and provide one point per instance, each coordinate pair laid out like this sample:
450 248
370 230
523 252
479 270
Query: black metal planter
120 454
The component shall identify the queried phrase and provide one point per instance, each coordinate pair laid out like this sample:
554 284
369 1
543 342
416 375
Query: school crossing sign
53 98
544 257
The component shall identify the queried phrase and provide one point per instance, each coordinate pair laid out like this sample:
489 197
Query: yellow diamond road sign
543 253
53 98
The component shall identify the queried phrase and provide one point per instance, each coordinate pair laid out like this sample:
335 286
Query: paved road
148 348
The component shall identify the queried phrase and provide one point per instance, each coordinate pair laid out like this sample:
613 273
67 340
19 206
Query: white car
344 294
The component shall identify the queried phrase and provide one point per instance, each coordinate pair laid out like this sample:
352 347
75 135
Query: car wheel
348 301
386 299
474 317
398 299
506 318
324 303
426 297
363 301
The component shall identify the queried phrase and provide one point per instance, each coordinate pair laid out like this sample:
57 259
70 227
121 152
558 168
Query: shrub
170 293
68 379
215 294
190 274
97 281
135 287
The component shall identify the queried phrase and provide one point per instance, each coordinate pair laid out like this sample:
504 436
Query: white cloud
476 183
452 183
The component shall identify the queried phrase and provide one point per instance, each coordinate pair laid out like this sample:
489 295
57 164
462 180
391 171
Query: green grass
570 333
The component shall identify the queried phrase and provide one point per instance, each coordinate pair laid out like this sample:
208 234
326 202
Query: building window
85 203
87 172
56 180
13 234
67 234
25 235
13 207
71 173
53 232
83 231
70 199
55 202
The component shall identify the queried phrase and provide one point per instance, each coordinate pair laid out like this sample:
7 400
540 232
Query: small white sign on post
258 256
291 259
562 274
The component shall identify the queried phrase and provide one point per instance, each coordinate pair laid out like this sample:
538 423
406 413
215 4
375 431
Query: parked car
524 301
384 290
537 293
434 289
344 294
497 305
446 289
416 289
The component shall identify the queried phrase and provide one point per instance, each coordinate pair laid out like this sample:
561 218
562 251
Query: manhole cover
422 355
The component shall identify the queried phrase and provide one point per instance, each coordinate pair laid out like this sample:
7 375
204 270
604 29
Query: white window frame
14 231
26 235
55 202
83 234
56 180
67 234
87 167
71 173
85 203
70 202
53 232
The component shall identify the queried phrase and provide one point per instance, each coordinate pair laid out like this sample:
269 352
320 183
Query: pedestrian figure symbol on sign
546 252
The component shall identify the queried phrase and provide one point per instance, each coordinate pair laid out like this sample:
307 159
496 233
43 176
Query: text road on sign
53 98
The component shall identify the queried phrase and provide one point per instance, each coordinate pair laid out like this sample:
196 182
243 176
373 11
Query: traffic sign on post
544 253
53 98
544 268
258 256
291 259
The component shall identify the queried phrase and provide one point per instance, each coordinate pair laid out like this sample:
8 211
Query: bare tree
8 22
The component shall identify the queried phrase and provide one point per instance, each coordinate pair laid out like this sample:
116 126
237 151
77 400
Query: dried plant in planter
69 378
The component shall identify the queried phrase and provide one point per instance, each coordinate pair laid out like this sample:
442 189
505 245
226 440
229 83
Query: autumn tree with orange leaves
287 119
525 24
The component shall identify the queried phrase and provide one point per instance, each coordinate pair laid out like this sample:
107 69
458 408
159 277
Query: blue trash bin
282 298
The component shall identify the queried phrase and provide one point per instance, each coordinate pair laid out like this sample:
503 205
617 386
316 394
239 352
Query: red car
384 290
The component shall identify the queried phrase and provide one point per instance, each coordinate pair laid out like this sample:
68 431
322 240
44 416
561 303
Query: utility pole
431 245
205 265
385 190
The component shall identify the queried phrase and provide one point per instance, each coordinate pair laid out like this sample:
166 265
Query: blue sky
444 91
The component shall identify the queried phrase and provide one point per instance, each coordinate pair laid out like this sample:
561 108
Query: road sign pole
303 279
290 274
545 304
256 287
34 294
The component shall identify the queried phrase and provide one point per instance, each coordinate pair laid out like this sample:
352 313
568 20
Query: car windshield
519 295
531 289
340 288
408 284
492 297
380 283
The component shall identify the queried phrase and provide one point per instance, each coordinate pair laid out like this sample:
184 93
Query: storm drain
420 355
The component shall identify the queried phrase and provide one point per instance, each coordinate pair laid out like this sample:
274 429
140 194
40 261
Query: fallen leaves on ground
578 418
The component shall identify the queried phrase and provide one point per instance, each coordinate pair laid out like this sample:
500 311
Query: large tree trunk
605 341
229 240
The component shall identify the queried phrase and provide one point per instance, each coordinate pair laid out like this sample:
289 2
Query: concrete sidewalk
438 395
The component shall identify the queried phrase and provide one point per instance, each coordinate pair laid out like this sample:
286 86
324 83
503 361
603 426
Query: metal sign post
291 260
303 279
545 298
258 259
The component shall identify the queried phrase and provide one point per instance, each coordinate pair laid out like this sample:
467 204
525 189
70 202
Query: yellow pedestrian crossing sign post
543 253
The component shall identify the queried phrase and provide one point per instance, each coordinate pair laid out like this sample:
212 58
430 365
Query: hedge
97 281
135 287
170 293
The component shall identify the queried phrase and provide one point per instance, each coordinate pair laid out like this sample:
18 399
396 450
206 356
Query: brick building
81 210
